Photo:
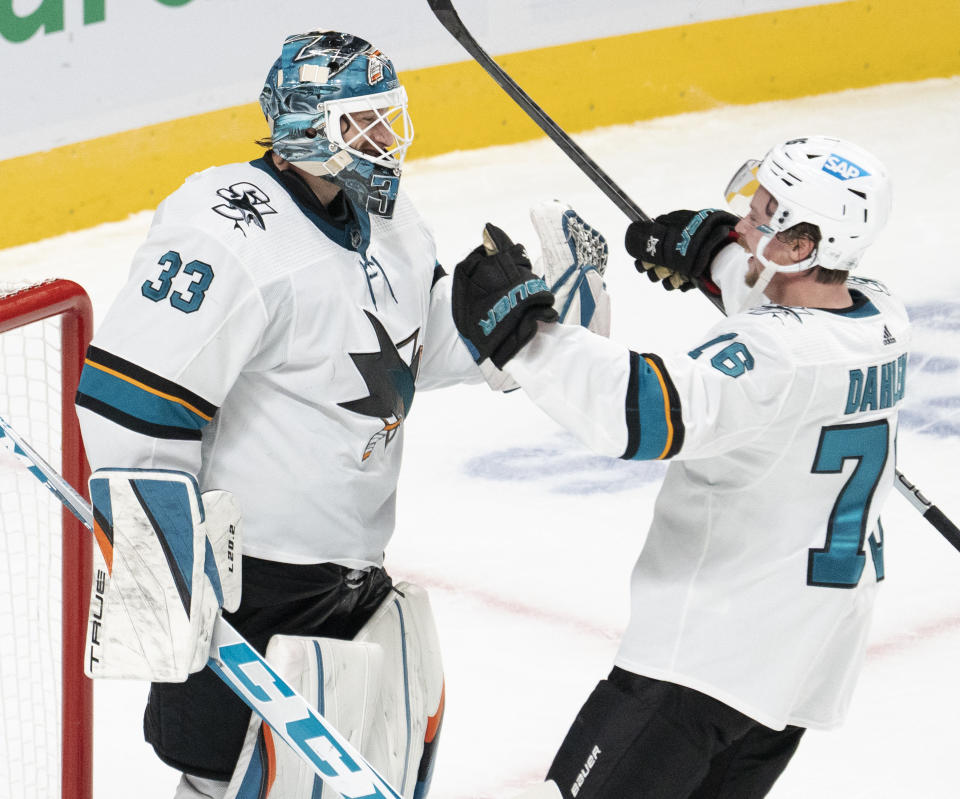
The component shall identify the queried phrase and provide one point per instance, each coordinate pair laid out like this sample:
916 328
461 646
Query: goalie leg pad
383 691
192 787
412 696
341 679
158 585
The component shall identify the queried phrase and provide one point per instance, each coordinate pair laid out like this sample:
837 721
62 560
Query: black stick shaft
447 14
928 510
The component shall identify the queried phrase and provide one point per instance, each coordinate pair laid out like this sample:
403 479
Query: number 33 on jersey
199 277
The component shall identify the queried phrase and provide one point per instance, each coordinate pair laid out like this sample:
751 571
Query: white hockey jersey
757 579
275 355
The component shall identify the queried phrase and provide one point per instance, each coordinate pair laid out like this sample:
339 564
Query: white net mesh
30 567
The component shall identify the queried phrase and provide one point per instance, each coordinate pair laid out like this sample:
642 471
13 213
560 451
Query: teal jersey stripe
651 415
136 402
167 507
650 405
861 312
861 308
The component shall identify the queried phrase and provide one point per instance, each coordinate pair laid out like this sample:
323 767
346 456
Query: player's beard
754 268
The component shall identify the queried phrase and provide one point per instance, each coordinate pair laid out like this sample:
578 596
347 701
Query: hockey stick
447 14
928 510
448 17
331 756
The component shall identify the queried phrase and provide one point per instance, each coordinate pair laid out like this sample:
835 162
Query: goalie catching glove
497 300
166 561
572 262
677 249
573 259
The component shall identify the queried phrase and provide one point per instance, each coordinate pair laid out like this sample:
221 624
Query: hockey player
752 595
266 349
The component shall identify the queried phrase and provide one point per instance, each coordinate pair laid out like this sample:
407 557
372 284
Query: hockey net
45 700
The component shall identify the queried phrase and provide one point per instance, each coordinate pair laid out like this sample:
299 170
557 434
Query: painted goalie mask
337 110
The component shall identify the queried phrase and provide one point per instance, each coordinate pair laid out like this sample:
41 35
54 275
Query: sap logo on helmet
842 168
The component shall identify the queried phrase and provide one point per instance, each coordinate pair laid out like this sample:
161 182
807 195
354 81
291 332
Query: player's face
754 227
368 132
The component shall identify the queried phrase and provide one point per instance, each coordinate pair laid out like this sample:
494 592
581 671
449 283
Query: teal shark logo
391 383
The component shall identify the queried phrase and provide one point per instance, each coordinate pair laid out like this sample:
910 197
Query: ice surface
525 540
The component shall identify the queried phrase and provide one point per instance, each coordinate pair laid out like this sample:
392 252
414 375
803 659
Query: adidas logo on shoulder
888 337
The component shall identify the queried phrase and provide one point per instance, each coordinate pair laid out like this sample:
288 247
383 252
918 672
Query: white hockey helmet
831 183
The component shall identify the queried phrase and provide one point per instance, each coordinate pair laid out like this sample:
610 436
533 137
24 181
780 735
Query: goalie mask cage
46 702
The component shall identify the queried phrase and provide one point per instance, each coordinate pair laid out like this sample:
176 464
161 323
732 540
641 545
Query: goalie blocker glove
497 300
166 561
677 248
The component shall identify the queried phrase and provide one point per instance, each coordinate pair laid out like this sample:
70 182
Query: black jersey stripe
632 409
126 369
135 424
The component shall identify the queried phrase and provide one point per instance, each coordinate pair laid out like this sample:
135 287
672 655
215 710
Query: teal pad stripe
167 506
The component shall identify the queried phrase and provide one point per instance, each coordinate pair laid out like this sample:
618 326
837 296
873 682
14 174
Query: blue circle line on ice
933 376
567 465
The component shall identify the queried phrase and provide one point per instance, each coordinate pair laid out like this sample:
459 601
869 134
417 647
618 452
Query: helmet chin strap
328 168
756 295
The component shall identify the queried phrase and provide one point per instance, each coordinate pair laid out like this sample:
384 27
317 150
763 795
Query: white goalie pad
383 691
165 563
573 260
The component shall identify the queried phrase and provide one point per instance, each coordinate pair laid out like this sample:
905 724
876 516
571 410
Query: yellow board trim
148 389
585 85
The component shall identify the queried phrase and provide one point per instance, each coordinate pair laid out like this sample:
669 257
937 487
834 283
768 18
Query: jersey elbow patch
654 423
140 400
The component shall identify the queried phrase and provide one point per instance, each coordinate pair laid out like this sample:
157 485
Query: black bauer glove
677 248
497 299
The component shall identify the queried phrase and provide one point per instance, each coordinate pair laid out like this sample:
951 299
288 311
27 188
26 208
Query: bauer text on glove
677 248
497 299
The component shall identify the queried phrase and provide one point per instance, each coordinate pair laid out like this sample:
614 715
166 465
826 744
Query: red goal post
44 332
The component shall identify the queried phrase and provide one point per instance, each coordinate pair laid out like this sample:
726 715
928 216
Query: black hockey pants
638 738
198 726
